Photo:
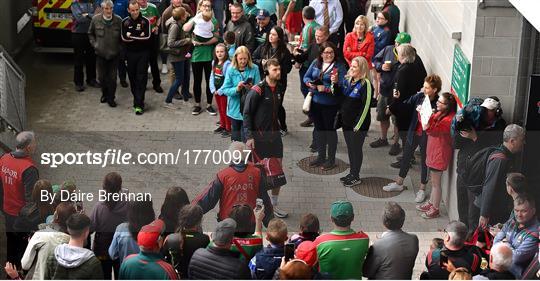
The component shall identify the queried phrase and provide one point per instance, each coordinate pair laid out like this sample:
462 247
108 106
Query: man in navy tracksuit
136 35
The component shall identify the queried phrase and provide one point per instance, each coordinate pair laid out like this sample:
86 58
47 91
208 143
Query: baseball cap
224 232
149 234
490 104
307 251
403 38
341 208
262 14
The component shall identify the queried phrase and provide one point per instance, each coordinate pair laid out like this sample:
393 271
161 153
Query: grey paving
67 121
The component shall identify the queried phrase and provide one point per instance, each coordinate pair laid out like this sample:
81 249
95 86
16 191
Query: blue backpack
469 117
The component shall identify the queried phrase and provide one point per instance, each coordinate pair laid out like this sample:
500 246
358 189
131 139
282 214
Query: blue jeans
178 79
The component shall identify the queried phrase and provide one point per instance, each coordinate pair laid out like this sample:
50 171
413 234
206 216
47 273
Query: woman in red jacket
439 151
360 42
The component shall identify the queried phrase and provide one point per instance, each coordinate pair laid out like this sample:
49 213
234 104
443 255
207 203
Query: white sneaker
170 105
420 196
392 187
164 69
280 213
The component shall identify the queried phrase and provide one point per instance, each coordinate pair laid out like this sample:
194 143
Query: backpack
476 168
469 116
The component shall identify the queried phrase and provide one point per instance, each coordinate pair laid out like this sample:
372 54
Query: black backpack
476 168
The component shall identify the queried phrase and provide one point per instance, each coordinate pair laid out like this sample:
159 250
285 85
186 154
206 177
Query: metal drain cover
372 187
340 167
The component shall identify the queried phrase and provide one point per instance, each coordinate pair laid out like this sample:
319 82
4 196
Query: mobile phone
248 81
443 260
258 204
289 251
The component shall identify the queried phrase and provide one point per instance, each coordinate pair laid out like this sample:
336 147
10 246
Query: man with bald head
18 175
500 262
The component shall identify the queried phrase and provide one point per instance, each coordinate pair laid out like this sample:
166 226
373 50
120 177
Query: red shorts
293 23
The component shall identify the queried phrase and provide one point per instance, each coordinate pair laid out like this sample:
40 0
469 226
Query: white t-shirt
203 28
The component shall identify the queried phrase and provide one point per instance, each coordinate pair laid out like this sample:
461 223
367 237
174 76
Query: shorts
269 149
382 103
293 22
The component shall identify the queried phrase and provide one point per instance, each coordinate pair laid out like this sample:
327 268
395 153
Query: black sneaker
219 130
218 123
307 123
345 178
112 103
158 89
124 83
395 149
79 88
352 182
178 96
211 110
396 165
317 162
94 84
379 143
103 99
328 165
225 134
196 110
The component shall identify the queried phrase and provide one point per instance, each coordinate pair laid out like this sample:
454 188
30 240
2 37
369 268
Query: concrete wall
10 13
497 48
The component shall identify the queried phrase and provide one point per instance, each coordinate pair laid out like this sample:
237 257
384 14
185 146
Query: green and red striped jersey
342 253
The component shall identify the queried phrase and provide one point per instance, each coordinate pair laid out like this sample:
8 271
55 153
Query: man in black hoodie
244 32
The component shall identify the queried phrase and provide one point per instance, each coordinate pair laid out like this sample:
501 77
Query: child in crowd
381 32
204 27
220 65
229 37
268 260
309 229
310 26
293 17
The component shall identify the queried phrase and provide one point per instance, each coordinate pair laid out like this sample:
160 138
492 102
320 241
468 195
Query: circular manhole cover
372 187
340 167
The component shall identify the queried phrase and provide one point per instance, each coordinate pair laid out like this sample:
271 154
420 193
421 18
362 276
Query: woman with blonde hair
355 114
238 81
359 42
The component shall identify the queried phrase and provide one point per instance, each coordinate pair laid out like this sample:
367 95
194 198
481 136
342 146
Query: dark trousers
236 130
122 68
107 70
16 242
408 154
137 65
282 115
303 88
325 133
83 55
468 212
337 38
108 266
198 68
153 53
187 75
178 79
355 142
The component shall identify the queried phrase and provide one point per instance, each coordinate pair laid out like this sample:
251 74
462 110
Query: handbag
307 103
273 171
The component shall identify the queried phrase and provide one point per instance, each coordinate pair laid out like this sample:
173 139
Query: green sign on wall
461 74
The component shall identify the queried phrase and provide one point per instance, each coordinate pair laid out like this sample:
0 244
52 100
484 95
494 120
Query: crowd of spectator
246 55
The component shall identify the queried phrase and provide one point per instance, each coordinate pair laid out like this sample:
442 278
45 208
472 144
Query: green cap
341 208
403 38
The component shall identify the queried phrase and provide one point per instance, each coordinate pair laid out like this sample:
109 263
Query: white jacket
40 246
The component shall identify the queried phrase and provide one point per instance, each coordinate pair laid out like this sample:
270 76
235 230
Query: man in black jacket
218 261
136 35
469 142
494 202
244 32
262 123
